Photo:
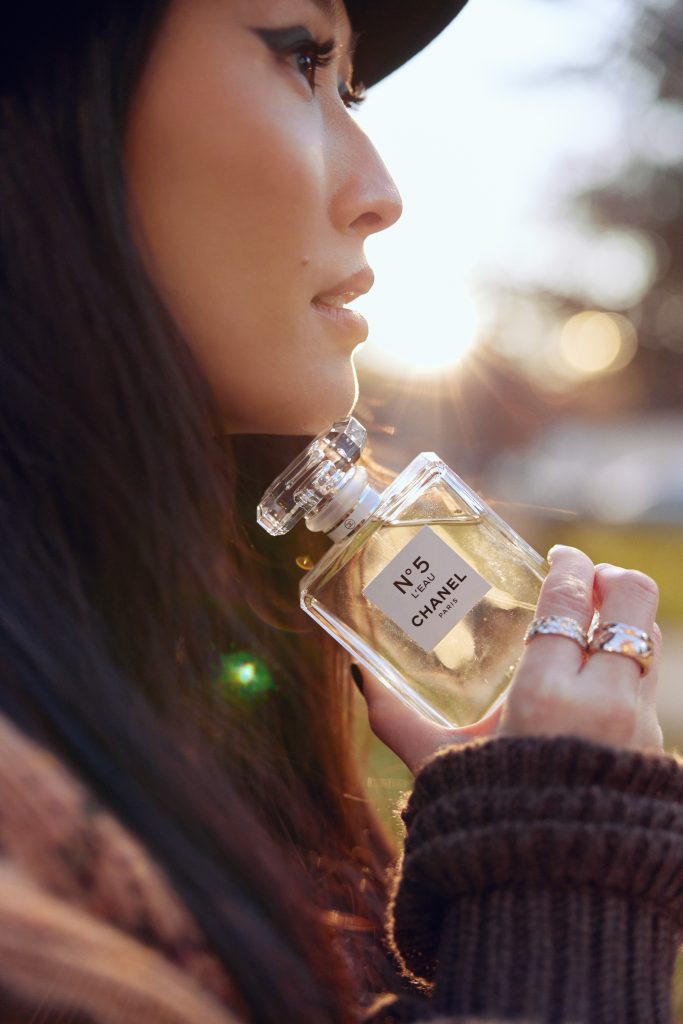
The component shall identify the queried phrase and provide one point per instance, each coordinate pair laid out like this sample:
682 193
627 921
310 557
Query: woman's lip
350 288
348 319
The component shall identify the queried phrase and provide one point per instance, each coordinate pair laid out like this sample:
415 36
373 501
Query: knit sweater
541 881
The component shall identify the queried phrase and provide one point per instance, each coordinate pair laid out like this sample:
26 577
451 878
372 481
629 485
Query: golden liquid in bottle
471 667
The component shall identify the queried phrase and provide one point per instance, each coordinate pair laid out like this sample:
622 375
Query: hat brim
390 32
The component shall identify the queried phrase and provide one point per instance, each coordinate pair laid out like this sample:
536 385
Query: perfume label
427 589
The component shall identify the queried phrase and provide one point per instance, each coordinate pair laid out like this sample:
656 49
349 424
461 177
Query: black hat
390 32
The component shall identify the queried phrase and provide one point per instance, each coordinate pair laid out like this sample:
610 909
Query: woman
186 201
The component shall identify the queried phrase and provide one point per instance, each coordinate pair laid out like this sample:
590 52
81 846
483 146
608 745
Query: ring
558 625
620 638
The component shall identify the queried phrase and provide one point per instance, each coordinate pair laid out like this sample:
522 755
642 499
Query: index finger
567 591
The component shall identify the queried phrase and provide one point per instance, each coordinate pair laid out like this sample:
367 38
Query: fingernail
357 677
553 551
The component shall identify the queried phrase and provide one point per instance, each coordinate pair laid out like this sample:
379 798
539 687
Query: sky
485 139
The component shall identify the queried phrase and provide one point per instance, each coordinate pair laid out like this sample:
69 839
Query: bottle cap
312 479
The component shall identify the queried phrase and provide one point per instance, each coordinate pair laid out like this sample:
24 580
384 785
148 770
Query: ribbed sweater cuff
543 877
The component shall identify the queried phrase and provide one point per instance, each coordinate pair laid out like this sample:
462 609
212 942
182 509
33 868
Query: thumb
401 727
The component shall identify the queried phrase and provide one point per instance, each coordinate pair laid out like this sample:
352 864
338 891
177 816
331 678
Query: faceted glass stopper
312 478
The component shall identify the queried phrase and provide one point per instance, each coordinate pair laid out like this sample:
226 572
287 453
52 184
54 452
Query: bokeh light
594 342
617 268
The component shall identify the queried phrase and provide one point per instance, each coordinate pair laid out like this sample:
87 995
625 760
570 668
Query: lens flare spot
244 673
304 562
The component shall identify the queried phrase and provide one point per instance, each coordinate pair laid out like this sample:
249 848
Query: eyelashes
352 95
311 57
308 57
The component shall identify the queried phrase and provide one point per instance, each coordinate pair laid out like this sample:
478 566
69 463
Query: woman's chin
305 410
315 405
315 421
334 403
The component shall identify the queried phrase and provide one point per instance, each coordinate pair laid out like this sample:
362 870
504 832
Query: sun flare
425 338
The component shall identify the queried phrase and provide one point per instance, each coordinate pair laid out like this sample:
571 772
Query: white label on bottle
427 589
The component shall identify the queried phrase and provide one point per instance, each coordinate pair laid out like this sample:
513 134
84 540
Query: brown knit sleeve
543 879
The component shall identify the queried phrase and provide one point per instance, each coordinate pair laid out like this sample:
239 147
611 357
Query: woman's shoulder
86 915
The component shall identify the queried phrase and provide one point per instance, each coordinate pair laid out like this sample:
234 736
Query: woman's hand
557 689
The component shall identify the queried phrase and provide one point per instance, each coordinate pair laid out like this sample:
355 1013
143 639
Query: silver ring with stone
558 625
620 638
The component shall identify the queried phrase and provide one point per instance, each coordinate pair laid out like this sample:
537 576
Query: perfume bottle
424 584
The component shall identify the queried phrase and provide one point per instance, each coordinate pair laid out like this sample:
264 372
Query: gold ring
558 625
620 638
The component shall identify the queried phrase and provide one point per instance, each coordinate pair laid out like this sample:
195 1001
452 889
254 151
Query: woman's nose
366 199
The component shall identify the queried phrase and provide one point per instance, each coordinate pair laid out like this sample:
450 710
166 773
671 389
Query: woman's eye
311 58
297 47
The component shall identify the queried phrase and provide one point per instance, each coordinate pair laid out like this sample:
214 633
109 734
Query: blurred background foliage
566 412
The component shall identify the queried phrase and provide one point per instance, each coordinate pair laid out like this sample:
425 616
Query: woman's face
253 191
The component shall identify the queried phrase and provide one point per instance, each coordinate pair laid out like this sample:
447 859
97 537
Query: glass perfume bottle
425 584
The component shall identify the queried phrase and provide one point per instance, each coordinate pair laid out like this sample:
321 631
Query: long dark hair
128 577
